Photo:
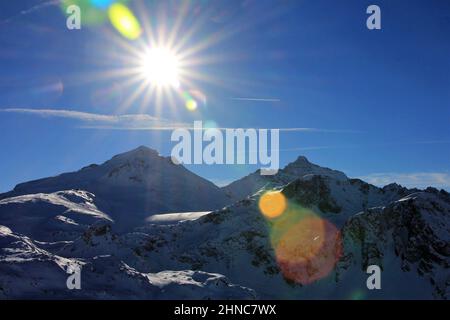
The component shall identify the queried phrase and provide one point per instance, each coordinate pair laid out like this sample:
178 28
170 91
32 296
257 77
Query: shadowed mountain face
252 183
332 229
134 185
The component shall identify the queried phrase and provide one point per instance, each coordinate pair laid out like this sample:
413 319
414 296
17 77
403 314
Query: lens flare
124 21
189 102
176 27
91 15
199 96
272 204
103 4
308 250
191 105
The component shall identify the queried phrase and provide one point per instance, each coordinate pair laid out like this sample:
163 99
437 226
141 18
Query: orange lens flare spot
309 250
124 21
272 204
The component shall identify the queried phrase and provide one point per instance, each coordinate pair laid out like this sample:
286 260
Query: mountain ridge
139 181
331 229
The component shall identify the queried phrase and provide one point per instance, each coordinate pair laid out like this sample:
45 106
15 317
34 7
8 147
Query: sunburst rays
181 28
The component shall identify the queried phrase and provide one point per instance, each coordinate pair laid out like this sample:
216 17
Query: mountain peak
302 159
141 152
144 148
302 167
300 162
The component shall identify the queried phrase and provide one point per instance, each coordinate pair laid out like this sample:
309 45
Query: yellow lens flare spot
160 66
191 105
272 204
124 21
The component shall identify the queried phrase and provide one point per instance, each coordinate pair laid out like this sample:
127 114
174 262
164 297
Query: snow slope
29 272
63 215
319 248
134 185
408 239
173 218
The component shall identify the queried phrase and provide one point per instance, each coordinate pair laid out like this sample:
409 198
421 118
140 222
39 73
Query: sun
161 67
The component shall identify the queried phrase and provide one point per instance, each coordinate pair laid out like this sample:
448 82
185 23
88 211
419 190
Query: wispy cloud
135 127
410 180
319 130
312 148
134 121
256 99
295 129
191 127
42 5
103 121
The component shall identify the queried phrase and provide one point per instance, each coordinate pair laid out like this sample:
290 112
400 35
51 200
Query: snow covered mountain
132 186
409 239
252 183
332 228
29 272
279 258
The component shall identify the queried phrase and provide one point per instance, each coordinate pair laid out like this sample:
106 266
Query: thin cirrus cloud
411 180
33 9
103 121
135 121
256 99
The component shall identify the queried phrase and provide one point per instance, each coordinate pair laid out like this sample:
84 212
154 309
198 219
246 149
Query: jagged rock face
239 242
324 189
312 192
234 241
415 231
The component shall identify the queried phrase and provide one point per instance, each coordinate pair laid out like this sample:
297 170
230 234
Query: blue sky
378 101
